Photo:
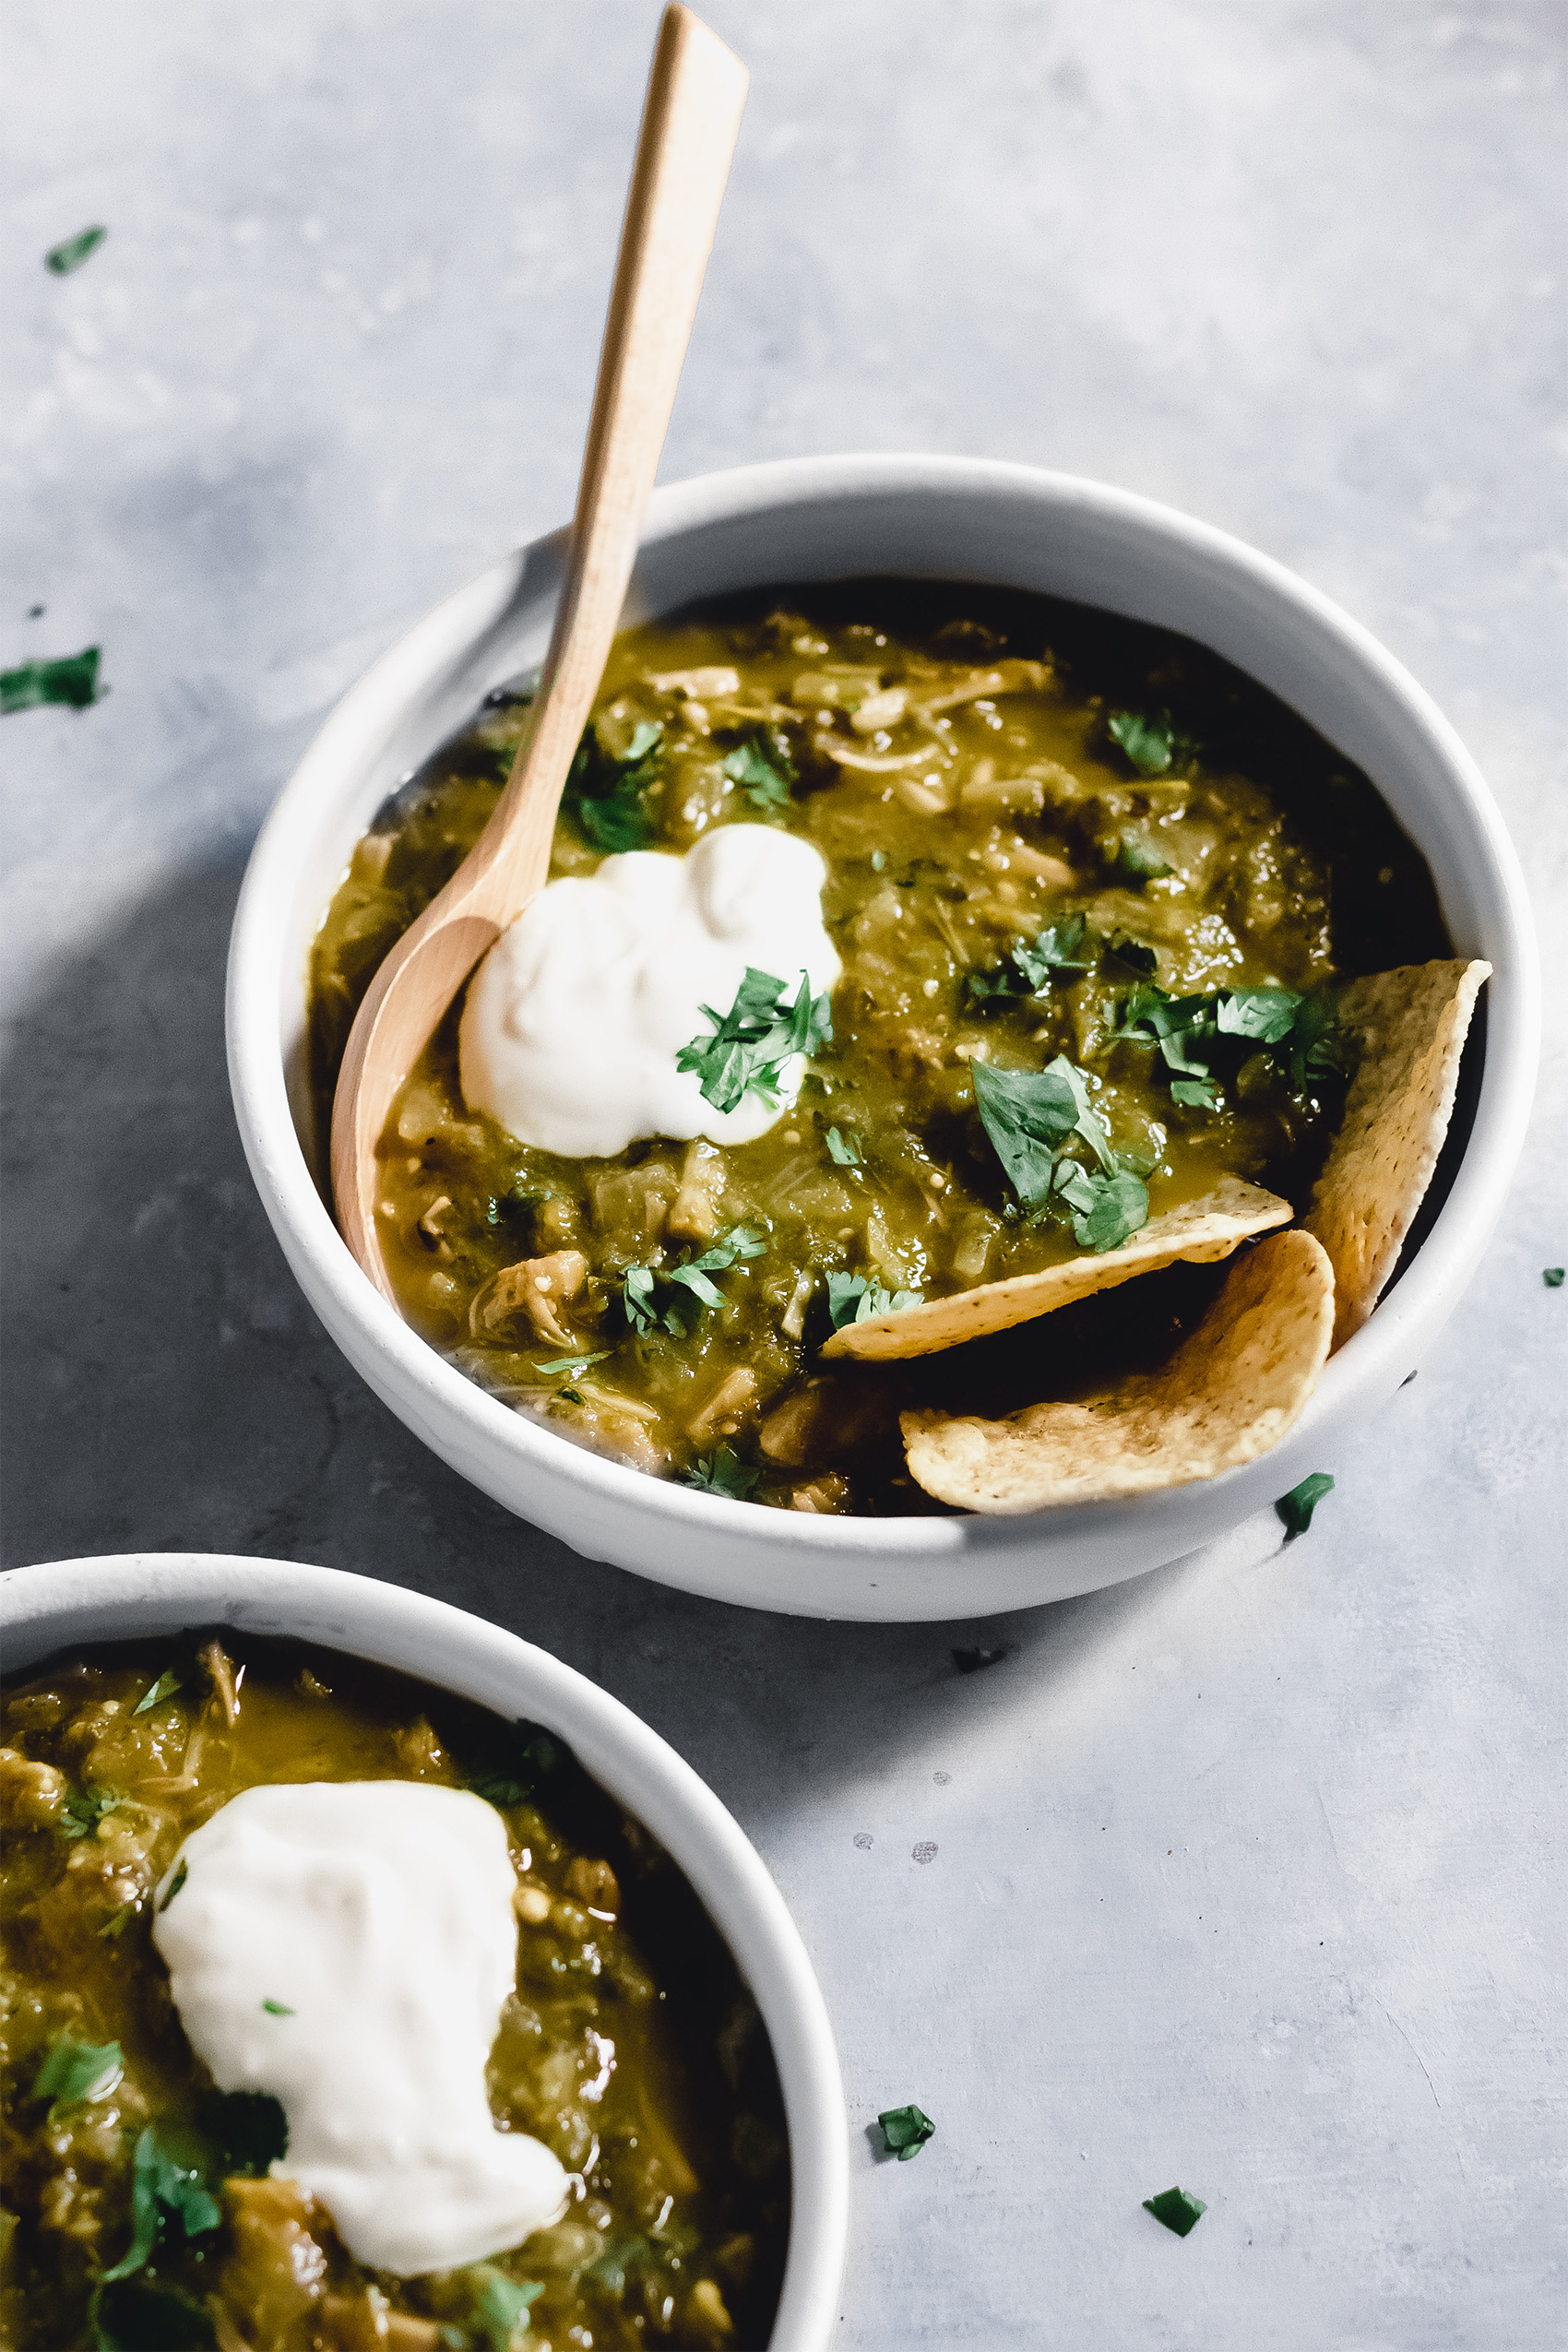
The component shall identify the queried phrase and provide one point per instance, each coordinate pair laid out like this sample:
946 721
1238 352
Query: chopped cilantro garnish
502 2306
609 2268
72 252
851 1299
1177 2208
843 1148
72 679
182 1874
1552 1276
1109 1207
1027 969
722 1472
83 1809
166 1685
605 793
691 1274
1028 1115
76 2071
1300 1032
573 1364
763 769
1148 739
279 2009
1137 861
1297 1507
905 2131
752 1042
166 2188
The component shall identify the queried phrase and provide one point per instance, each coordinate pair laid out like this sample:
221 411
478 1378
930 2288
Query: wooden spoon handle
696 89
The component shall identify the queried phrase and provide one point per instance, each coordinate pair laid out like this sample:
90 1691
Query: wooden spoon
696 89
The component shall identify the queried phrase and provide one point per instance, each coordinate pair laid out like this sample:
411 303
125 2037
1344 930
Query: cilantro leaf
605 795
1027 969
1198 1094
1137 861
852 1298
753 1041
1111 1208
164 1688
636 1298
1316 1045
1297 1507
722 1472
1266 1013
609 2268
1552 1276
843 1149
70 253
691 1274
762 769
1148 739
72 679
905 2131
181 1874
248 2129
1177 2208
502 2306
279 2009
76 2071
165 2189
1028 1115
573 1364
83 1809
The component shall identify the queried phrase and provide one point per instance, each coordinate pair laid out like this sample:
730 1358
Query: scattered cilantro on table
279 2009
1177 2208
76 2071
905 2131
1297 1507
752 1042
1552 1276
852 1298
605 796
722 1472
72 679
70 253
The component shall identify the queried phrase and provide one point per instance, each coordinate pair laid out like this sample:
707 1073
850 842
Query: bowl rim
1376 1359
128 1596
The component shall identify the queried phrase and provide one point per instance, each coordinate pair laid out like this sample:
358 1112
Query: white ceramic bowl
821 518
67 1604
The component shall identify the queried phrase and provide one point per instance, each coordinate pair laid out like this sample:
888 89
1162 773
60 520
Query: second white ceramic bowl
836 518
66 1605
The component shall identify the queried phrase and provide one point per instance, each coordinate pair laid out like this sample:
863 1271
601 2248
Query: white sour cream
576 1017
347 1946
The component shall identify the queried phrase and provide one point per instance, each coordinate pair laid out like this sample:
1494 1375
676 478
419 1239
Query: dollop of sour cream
574 1020
347 1946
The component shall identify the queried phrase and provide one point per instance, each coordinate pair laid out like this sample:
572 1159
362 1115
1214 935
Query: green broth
976 769
676 2230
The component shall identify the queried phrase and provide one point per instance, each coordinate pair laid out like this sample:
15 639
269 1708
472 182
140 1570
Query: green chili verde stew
1079 872
140 2209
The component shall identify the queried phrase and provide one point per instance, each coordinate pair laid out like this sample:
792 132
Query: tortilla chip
1231 1390
1202 1229
1412 1023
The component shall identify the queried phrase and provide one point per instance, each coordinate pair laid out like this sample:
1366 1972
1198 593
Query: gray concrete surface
1299 268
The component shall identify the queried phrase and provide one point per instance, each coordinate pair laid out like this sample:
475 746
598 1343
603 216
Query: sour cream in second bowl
575 1021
